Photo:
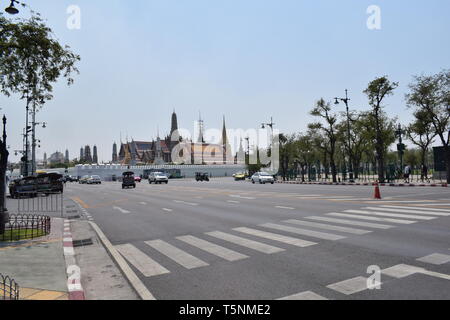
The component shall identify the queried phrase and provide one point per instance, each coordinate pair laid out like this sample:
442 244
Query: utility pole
349 141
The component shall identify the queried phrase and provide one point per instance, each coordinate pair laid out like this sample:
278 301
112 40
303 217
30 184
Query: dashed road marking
435 258
146 265
121 210
394 215
285 208
354 216
276 237
351 222
310 233
258 246
328 227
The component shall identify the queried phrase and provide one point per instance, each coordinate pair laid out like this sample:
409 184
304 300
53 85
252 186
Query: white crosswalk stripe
328 227
276 237
351 286
436 259
146 265
351 222
393 215
415 210
258 246
354 216
212 248
179 256
307 295
310 233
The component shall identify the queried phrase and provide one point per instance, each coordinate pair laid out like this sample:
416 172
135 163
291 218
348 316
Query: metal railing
9 289
21 227
40 203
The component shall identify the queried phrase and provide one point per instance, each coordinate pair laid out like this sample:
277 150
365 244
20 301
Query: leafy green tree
329 130
31 61
431 95
379 124
421 133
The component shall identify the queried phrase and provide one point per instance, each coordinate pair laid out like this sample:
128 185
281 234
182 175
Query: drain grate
82 243
73 217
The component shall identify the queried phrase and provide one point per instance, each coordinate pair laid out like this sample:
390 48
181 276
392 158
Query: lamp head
11 9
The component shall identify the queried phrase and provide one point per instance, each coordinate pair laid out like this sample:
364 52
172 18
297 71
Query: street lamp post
271 125
350 164
248 150
401 146
12 9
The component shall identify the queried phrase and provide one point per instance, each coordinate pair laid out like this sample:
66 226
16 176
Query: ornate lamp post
401 146
346 100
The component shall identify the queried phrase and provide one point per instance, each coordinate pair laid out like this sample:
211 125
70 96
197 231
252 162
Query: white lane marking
404 270
167 210
314 234
258 246
212 248
146 265
276 237
351 286
307 295
435 258
121 210
143 203
403 201
352 223
393 215
328 227
231 201
285 208
401 271
415 210
241 197
354 216
179 256
185 202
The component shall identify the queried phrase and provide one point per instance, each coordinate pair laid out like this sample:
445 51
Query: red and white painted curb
443 185
75 289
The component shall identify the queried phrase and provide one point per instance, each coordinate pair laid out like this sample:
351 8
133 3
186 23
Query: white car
94 180
262 178
158 177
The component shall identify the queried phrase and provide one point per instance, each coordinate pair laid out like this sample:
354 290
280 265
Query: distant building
81 155
160 151
66 158
57 157
87 154
95 156
115 158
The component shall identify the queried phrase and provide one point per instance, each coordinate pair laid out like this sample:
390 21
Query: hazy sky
245 59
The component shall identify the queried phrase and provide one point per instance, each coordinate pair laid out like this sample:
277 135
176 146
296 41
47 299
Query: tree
328 128
431 95
377 91
421 133
31 61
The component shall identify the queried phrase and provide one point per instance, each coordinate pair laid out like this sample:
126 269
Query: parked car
84 180
201 176
94 180
158 177
263 178
50 183
128 180
137 179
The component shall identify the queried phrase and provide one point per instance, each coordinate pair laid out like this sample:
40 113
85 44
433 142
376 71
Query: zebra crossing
274 238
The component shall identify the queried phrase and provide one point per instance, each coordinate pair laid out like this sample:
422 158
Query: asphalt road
235 240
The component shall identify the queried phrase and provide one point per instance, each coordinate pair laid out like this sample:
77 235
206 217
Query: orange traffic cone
377 191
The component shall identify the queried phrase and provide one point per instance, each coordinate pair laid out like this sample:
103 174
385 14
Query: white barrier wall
106 172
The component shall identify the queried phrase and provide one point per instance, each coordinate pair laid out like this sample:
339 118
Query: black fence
9 289
21 227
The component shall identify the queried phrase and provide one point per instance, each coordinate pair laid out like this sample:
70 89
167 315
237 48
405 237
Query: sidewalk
444 185
38 266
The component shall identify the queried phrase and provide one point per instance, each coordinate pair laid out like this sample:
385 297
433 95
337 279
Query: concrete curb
133 279
443 185
73 271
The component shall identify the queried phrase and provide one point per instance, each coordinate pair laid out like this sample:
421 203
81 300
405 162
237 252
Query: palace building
160 151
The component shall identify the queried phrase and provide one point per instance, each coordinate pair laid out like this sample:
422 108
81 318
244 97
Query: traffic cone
377 191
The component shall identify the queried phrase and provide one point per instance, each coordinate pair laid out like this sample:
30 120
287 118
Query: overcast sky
248 60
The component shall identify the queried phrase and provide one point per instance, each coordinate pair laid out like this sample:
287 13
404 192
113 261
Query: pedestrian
407 173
